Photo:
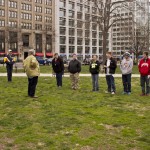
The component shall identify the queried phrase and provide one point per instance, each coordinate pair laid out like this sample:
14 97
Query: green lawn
62 119
48 69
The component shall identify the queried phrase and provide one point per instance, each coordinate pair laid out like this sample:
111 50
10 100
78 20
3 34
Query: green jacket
31 66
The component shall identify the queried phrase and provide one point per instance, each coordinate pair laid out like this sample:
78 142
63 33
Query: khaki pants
74 80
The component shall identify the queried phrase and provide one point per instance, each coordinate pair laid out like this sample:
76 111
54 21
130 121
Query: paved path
66 75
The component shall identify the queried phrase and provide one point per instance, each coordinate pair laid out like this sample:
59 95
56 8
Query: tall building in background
132 31
76 29
26 24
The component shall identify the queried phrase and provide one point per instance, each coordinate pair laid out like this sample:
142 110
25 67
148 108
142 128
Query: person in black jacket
94 70
58 67
74 68
110 68
9 65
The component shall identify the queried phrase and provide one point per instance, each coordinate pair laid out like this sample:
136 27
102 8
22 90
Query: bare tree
109 10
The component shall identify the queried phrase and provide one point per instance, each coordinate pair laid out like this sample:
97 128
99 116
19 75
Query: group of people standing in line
32 70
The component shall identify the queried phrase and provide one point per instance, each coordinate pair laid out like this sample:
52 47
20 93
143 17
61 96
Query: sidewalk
66 75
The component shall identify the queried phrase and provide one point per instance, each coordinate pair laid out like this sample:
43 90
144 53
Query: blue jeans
95 82
59 79
145 84
126 80
110 83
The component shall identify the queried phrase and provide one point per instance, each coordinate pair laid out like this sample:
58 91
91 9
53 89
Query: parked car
48 61
41 60
1 60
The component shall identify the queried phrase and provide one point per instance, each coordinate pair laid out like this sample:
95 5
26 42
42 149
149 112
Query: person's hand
148 76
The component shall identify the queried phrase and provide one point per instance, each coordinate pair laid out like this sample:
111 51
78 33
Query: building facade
26 24
76 29
132 31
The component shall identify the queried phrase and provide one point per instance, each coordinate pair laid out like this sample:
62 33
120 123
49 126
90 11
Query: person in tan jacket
32 70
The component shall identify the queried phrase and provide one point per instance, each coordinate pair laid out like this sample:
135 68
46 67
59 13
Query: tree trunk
104 45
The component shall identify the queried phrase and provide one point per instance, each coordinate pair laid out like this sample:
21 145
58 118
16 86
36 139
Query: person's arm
130 66
114 65
79 67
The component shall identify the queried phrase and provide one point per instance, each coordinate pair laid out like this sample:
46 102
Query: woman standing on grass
126 69
58 67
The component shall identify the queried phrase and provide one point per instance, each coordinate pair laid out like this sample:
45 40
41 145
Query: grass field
85 69
62 119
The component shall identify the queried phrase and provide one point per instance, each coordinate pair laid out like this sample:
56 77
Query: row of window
79 7
13 4
80 41
63 49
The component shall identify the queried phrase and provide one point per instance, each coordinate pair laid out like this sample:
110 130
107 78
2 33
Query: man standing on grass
32 70
74 68
110 68
58 67
144 69
94 70
126 67
9 65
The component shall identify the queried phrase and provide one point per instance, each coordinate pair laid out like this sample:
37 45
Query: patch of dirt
87 148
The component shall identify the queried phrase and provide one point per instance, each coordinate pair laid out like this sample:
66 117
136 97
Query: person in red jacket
144 69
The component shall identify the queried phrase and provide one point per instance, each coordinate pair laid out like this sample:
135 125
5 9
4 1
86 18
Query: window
79 41
62 40
48 28
71 5
26 16
26 6
62 30
79 7
48 2
12 14
38 9
2 41
2 12
79 32
38 26
2 2
71 49
62 13
62 21
38 17
48 19
2 23
79 15
94 50
79 24
13 24
71 31
13 36
94 42
38 43
38 1
87 41
26 25
79 49
12 4
25 39
71 14
62 49
71 23
71 40
62 4
48 10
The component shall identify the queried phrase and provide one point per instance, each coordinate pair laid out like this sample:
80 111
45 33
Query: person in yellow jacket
32 70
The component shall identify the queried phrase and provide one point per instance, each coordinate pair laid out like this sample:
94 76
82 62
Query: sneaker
112 93
129 93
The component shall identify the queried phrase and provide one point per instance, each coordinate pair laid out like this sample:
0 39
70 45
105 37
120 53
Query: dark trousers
95 82
110 83
145 84
59 79
32 82
126 80
9 72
